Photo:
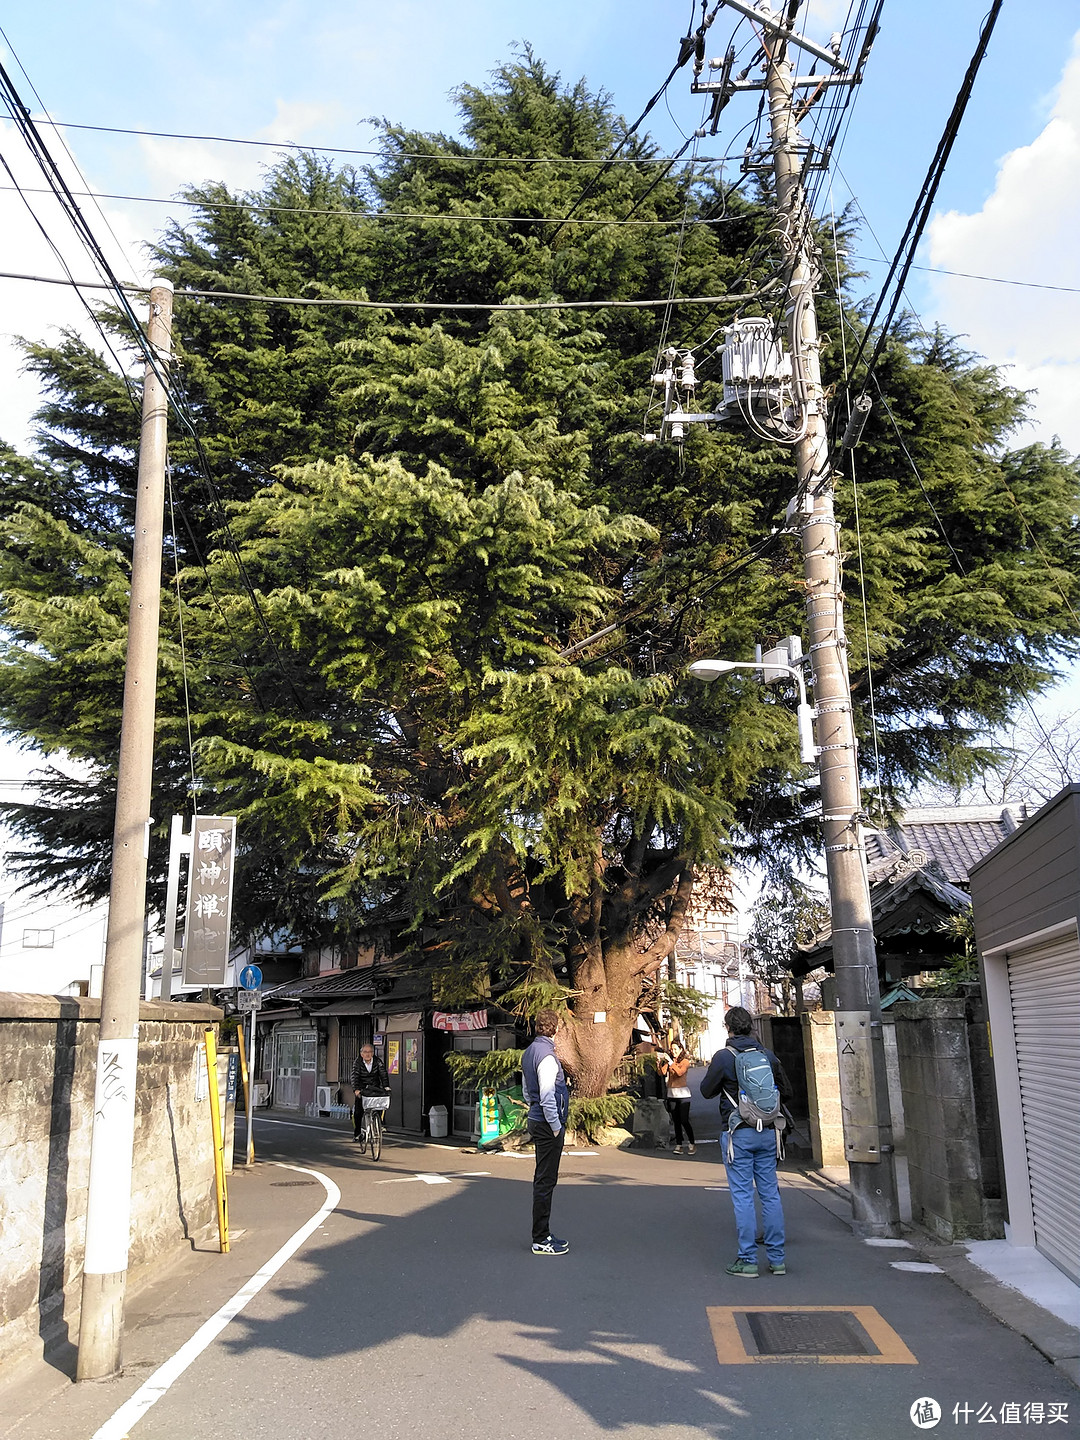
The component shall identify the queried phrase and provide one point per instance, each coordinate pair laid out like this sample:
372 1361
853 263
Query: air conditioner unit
260 1094
324 1097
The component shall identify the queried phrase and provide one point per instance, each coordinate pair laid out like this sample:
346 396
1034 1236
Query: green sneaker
744 1267
780 1269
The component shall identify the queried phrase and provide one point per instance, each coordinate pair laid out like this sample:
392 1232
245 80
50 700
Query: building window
37 939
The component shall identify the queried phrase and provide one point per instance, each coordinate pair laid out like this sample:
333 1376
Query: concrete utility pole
863 1079
108 1201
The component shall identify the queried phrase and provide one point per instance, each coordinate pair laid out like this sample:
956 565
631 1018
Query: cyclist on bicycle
369 1077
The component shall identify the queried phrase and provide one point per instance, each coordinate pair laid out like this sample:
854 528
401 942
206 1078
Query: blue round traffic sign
251 977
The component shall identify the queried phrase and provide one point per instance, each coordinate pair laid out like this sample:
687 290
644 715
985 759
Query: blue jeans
750 1156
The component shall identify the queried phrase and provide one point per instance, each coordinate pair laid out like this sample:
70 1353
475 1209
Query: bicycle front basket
376 1102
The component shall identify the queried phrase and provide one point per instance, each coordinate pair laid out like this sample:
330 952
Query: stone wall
48 1051
823 1088
949 1123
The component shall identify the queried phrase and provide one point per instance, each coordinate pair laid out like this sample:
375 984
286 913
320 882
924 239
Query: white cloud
1027 230
36 310
825 15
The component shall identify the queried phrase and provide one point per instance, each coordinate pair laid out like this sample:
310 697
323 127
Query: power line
968 275
255 208
20 115
67 149
690 45
353 303
385 154
905 251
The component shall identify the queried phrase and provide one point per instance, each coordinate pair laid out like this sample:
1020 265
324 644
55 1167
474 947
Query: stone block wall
948 1119
48 1049
823 1088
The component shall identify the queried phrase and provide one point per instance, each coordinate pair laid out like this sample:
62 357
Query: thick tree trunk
592 1045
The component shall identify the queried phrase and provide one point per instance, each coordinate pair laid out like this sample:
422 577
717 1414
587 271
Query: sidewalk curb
1058 1341
1054 1339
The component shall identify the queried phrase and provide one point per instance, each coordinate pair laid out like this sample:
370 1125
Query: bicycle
371 1123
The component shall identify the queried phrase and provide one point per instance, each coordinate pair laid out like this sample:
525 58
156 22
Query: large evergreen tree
424 513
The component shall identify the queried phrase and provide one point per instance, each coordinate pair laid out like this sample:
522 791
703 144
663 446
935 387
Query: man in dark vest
548 1098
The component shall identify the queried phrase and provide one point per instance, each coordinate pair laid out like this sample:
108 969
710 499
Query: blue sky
314 74
1009 206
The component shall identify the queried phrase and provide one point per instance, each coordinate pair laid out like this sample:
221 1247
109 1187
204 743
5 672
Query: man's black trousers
549 1149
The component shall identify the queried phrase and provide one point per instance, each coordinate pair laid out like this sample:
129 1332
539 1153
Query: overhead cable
358 304
256 208
920 215
385 154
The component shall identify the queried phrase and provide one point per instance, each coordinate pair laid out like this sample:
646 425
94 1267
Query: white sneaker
550 1246
691 1149
677 1150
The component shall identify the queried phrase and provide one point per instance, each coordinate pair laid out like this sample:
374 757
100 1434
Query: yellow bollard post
210 1047
246 1079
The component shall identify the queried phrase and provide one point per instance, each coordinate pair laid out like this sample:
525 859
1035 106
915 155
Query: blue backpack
758 1100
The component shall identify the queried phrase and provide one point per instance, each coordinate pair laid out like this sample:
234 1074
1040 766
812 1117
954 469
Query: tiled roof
956 837
892 910
886 898
327 987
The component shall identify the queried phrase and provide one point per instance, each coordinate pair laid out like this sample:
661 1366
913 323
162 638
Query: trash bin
437 1121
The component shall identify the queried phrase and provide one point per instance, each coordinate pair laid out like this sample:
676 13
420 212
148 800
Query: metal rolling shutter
1044 985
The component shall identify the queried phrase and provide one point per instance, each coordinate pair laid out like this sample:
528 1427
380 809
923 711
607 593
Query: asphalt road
416 1309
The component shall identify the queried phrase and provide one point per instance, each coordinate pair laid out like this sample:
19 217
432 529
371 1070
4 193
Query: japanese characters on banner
209 902
466 1020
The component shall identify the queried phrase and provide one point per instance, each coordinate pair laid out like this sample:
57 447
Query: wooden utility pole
108 1201
860 1043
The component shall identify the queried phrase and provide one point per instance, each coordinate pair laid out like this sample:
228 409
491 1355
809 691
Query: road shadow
433 1289
583 1324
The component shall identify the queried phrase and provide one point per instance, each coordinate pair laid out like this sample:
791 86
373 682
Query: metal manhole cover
820 1332
805 1335
288 1184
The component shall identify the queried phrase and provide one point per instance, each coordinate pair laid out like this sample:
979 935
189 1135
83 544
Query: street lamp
713 669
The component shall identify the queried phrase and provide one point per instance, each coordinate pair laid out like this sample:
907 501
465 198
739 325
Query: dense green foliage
430 510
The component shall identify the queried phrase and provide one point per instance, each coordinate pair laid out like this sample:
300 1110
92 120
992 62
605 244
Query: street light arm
711 669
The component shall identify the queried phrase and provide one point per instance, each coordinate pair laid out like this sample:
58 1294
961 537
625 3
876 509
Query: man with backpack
751 1084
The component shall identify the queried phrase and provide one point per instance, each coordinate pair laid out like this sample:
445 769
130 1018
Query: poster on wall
412 1056
393 1049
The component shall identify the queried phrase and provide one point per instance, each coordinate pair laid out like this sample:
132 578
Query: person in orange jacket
673 1068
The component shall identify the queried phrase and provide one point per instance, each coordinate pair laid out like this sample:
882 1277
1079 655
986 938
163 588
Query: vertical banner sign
209 903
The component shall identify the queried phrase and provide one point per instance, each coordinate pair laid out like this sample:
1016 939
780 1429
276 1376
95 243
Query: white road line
156 1385
344 1134
301 1125
430 1178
